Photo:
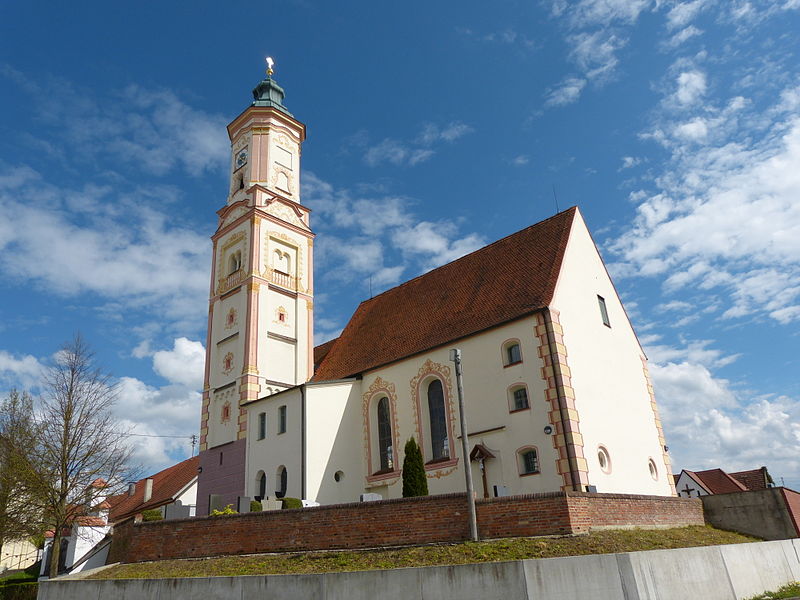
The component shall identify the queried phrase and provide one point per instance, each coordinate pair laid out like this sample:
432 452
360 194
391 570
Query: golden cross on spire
270 63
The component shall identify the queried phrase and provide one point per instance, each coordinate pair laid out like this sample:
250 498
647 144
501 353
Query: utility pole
455 356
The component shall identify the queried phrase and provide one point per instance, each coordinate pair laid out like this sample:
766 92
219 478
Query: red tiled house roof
166 484
501 282
716 481
756 479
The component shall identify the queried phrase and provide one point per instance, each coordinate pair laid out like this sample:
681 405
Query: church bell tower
260 315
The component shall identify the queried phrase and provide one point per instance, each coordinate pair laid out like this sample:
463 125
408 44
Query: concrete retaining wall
730 572
772 514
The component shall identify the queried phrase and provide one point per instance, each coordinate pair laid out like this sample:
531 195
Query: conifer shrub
291 503
415 483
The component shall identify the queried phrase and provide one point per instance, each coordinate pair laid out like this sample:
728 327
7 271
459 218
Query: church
556 386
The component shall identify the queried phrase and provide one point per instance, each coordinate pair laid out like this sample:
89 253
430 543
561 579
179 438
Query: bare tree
19 518
79 442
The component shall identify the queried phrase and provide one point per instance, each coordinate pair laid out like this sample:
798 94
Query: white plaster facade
577 410
612 408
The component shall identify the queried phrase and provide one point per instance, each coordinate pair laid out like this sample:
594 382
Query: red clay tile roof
166 484
755 479
717 481
321 351
511 278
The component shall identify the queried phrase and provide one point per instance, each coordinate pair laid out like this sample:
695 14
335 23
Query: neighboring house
556 385
693 484
18 554
87 529
172 491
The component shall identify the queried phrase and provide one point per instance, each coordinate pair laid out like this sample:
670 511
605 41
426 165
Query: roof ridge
465 256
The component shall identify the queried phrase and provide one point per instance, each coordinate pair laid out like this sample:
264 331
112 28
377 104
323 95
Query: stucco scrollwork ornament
378 388
432 369
284 213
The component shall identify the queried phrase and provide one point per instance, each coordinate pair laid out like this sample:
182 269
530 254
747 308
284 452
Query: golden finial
270 63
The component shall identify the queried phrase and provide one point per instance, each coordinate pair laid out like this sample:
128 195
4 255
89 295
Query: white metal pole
455 356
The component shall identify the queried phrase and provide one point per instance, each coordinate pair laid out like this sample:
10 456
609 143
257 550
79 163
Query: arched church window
440 445
281 482
262 485
385 435
512 354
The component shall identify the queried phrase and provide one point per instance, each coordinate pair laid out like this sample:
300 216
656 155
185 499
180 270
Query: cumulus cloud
691 86
737 431
725 217
153 413
124 251
23 371
183 364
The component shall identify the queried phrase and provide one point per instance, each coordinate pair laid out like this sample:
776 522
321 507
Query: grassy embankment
601 542
20 585
787 592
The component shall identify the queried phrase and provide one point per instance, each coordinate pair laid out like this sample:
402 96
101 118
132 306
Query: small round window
604 459
651 464
338 476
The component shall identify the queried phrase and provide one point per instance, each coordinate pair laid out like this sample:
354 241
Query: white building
555 380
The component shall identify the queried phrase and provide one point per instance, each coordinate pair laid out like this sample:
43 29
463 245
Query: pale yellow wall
486 381
275 449
610 388
334 441
17 554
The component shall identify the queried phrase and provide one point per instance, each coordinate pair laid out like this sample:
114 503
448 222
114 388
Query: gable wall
608 375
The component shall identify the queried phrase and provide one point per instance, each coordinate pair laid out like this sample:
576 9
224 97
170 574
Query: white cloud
150 129
22 372
683 35
521 160
629 162
590 13
172 410
725 216
184 364
691 87
708 424
683 13
123 251
596 53
411 153
566 92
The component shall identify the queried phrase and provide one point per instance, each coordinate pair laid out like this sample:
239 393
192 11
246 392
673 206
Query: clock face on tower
241 158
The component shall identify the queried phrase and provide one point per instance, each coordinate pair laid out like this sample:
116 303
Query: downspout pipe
303 442
562 399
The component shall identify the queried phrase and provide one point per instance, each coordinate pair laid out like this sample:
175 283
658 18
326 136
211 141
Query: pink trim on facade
379 389
560 394
431 370
659 428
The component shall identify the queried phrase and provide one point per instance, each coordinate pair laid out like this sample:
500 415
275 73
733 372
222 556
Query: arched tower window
235 262
440 445
385 435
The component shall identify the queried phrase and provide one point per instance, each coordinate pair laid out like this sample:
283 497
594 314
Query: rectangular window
531 462
603 312
282 419
520 399
262 425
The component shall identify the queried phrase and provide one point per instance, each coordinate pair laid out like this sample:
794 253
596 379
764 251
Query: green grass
20 585
601 542
791 590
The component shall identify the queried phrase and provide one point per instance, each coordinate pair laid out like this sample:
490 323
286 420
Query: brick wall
398 522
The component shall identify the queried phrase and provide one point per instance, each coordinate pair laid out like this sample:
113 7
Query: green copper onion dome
269 93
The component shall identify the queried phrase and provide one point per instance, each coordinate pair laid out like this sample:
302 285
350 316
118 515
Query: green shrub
255 506
228 510
19 591
153 514
415 483
292 503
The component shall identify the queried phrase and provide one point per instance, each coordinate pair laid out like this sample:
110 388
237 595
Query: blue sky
433 128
